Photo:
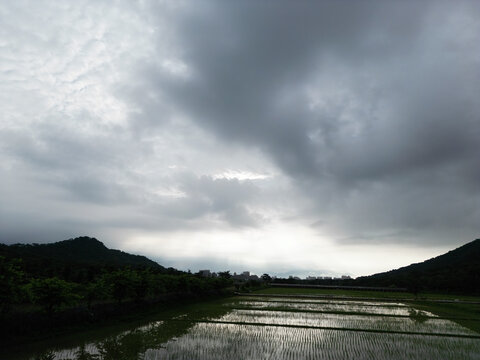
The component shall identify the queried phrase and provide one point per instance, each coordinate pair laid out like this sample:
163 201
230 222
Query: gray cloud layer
374 104
359 119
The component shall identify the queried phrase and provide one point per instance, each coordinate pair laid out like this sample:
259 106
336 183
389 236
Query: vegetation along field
256 326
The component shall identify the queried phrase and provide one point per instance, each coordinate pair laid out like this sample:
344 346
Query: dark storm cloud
364 115
252 61
394 149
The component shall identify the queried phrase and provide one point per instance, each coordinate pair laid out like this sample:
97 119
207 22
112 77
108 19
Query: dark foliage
10 279
79 260
457 271
83 274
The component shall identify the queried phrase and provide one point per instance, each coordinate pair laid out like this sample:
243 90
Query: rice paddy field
267 327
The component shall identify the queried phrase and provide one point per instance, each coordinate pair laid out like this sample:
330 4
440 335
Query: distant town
246 275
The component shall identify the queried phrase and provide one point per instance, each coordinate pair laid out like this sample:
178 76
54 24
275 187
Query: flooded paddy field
332 306
276 328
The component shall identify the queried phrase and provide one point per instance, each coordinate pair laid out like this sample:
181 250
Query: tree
225 274
413 284
51 293
266 278
10 279
141 285
95 290
121 284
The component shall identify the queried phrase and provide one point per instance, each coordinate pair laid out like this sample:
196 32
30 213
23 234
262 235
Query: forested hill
75 257
456 271
79 250
85 281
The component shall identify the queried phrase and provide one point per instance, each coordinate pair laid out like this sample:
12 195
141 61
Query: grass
467 315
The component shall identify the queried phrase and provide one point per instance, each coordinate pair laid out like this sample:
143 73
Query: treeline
462 281
52 293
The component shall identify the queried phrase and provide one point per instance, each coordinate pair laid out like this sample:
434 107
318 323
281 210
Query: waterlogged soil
270 328
334 321
231 341
330 306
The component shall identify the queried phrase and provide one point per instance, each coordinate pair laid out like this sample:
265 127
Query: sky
287 137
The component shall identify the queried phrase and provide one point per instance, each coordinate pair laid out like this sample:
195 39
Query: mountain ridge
457 270
82 249
78 260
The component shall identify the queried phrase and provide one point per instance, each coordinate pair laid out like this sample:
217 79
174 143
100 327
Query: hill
76 259
457 271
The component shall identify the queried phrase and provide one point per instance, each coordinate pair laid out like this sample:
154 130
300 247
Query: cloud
352 122
370 104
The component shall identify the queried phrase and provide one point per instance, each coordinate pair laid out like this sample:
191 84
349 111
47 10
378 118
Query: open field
364 294
263 327
232 341
464 310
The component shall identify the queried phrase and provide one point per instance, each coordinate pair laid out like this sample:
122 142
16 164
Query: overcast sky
289 137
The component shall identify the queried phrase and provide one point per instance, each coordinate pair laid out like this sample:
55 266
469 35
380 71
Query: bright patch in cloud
241 175
177 68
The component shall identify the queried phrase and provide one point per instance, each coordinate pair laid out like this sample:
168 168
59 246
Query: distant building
244 276
311 278
205 273
346 277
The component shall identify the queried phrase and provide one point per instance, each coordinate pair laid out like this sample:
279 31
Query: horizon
297 138
302 275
